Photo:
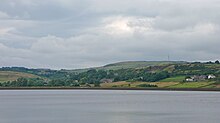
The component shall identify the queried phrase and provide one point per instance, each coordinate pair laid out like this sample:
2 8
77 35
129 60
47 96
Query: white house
189 80
211 77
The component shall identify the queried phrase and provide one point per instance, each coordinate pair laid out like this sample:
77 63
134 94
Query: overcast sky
85 33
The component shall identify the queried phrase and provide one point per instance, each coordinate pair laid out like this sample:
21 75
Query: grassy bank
125 84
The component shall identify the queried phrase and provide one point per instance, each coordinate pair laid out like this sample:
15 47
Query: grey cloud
84 33
3 15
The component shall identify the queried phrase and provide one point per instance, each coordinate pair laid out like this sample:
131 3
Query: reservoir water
109 106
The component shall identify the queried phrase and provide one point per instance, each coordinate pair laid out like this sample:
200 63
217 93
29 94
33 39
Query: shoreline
69 88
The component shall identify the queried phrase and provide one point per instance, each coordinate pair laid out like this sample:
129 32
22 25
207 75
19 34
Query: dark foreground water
81 106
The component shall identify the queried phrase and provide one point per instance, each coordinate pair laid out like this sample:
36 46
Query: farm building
106 80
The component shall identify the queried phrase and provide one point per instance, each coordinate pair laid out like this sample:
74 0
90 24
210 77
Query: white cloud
120 25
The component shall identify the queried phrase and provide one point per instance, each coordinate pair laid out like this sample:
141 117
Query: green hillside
11 75
129 64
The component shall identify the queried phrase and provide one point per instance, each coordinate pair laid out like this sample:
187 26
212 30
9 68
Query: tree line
92 76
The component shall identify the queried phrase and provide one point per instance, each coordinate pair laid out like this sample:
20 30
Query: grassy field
135 84
193 85
10 75
214 85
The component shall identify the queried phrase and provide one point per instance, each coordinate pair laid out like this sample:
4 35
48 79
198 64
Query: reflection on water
81 106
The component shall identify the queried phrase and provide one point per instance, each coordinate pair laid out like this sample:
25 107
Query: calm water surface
82 106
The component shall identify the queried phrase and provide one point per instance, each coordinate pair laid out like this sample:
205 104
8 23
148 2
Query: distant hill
12 75
138 64
130 64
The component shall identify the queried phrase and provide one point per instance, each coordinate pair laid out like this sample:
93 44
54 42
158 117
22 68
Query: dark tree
97 84
21 82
